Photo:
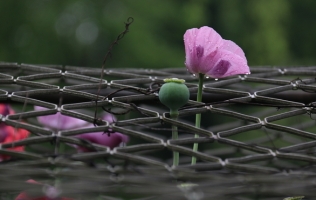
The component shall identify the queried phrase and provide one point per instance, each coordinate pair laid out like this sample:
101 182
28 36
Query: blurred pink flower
59 121
63 122
207 53
109 139
51 193
10 134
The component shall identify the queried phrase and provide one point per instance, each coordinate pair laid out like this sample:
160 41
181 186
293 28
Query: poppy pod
174 94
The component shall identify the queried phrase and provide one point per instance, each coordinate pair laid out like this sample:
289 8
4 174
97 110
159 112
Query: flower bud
174 94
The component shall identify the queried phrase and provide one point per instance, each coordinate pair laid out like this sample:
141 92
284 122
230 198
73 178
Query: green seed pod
174 94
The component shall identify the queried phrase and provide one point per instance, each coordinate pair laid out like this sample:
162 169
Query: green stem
174 115
198 116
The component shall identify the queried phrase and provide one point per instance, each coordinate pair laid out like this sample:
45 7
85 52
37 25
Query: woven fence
257 136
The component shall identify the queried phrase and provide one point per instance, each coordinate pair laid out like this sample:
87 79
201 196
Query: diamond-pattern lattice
257 137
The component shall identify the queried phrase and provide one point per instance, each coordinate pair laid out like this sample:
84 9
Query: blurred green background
79 32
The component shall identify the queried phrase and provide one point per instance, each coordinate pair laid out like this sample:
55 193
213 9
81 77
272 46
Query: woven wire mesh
256 139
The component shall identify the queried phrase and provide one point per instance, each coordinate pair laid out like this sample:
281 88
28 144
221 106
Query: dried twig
129 21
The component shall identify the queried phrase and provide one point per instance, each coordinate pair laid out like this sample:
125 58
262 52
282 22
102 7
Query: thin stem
198 116
174 115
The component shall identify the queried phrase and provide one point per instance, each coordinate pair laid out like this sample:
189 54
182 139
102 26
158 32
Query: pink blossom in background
207 53
63 122
111 140
51 193
10 134
58 121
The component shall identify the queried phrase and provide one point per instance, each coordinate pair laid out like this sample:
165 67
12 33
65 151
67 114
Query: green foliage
78 32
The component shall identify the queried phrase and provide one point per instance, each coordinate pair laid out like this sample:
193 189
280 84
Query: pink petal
62 122
234 48
189 44
207 53
5 109
3 132
199 44
228 63
109 118
111 140
209 39
51 193
59 121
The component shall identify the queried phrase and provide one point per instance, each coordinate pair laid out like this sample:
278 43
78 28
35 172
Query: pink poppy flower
207 53
63 122
10 134
58 121
109 139
51 193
